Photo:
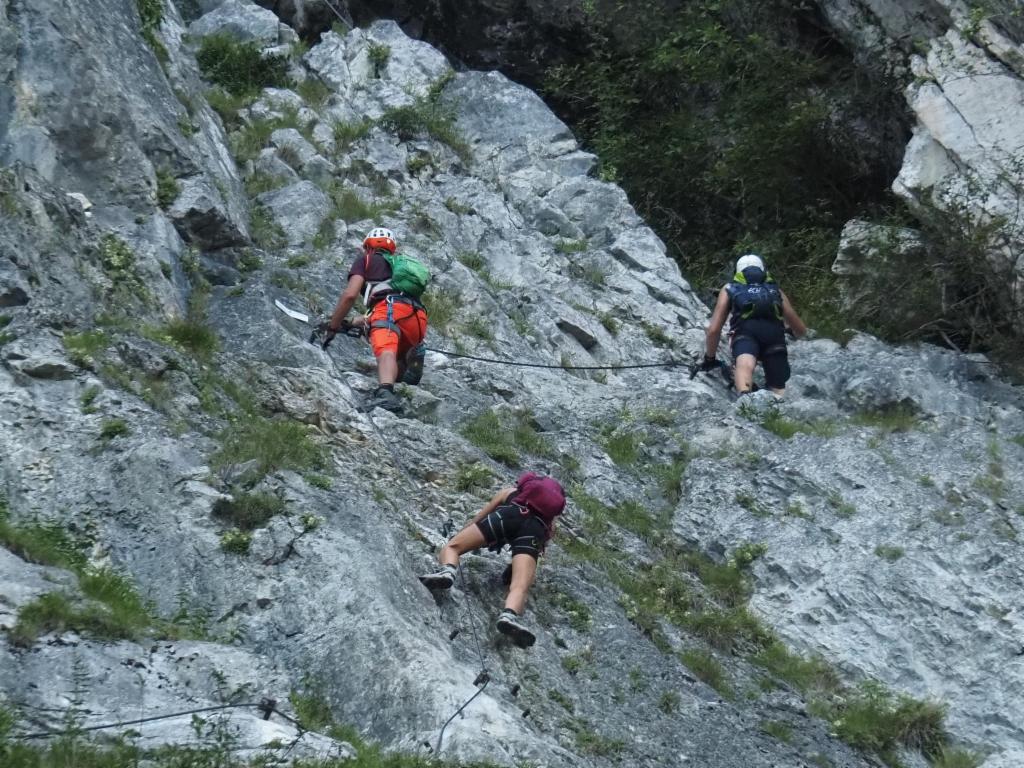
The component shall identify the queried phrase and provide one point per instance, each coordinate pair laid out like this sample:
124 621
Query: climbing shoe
443 579
511 623
384 398
414 364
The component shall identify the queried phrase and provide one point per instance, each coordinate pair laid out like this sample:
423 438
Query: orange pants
412 323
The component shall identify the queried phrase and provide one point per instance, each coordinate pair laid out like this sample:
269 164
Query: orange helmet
379 237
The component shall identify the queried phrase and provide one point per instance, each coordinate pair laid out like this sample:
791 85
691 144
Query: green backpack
408 275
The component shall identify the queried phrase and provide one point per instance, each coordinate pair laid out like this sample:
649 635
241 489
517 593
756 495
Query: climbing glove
708 364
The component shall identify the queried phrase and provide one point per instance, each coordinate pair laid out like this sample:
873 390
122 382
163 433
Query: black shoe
511 623
414 364
386 399
443 579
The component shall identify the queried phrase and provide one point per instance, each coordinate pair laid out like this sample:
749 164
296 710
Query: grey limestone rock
298 209
245 20
201 216
327 592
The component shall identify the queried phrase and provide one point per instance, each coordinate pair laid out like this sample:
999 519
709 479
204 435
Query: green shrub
112 428
427 116
117 258
84 348
472 476
88 397
272 444
379 54
236 542
151 16
240 67
873 718
669 702
248 511
193 334
167 188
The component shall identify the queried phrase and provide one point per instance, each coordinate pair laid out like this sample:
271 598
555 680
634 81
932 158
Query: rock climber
395 318
522 517
759 313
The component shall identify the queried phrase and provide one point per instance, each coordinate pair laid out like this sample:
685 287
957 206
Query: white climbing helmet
750 260
380 237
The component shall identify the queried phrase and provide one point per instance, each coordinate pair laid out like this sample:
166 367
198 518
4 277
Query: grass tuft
272 444
248 511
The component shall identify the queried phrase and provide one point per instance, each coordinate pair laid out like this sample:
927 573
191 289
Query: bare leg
524 569
466 540
743 373
387 368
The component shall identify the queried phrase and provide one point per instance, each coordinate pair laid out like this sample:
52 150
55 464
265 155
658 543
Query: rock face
965 157
133 426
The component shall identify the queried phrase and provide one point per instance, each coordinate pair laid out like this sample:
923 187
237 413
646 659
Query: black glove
708 364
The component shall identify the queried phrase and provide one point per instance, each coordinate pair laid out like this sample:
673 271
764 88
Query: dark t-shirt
374 270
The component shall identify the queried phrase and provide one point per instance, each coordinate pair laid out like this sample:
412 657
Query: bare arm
345 301
496 501
714 332
796 325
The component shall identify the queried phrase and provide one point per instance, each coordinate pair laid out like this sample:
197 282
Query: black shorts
512 524
766 341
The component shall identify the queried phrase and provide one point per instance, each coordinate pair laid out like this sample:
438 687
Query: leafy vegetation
506 440
239 67
112 428
151 16
873 718
739 102
248 511
167 188
428 116
706 667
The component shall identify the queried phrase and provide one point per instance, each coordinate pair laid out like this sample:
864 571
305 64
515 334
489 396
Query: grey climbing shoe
511 623
443 579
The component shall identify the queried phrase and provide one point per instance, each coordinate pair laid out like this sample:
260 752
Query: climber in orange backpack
522 517
390 285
